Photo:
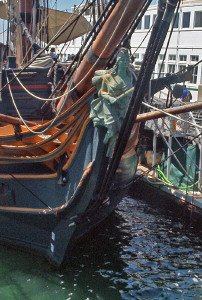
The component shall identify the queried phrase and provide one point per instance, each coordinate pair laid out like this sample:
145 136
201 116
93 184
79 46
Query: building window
194 73
161 68
172 57
186 20
171 68
183 57
154 17
161 56
176 21
137 55
139 26
194 58
181 68
146 22
198 19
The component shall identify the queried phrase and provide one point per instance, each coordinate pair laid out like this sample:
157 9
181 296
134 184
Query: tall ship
70 130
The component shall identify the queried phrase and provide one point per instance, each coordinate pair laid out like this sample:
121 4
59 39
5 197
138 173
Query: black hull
40 214
52 230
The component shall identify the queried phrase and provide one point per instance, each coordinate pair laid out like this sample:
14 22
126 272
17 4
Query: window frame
196 56
145 23
184 26
194 75
200 18
182 55
170 57
172 67
139 26
176 23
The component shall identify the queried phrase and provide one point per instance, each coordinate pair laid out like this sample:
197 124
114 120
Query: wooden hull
52 229
39 211
37 82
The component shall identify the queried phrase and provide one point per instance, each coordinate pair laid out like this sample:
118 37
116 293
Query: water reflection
139 252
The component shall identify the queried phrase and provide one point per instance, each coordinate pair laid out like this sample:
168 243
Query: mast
25 16
111 33
34 19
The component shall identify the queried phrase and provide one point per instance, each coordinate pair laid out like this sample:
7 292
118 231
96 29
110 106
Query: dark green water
138 253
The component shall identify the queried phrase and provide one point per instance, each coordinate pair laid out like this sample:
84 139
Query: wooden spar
140 117
109 29
14 121
25 10
173 110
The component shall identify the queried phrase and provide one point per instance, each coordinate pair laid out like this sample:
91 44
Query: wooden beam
14 121
173 110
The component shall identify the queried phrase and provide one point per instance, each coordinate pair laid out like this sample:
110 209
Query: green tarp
189 160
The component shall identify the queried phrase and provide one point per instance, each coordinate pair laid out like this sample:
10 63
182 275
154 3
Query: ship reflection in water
140 252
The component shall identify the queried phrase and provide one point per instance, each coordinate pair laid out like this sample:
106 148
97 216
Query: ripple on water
138 253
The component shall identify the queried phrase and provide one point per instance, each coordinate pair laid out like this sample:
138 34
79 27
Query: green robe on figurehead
114 92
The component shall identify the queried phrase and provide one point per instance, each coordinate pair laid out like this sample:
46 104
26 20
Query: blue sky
64 4
60 5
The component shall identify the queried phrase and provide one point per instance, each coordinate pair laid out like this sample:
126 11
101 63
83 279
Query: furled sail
3 10
56 20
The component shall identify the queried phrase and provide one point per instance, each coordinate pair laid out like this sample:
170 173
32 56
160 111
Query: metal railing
169 129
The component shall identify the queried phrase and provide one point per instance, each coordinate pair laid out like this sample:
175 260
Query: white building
185 47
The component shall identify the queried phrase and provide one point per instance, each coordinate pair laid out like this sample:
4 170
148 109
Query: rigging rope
85 217
37 35
46 47
190 67
143 39
79 57
47 16
126 38
153 48
155 44
28 189
168 42
3 31
165 159
172 152
170 115
173 135
65 94
169 38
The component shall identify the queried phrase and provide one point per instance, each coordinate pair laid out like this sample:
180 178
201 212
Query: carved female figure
114 92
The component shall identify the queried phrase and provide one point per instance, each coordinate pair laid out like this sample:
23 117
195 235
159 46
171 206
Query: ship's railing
180 126
169 128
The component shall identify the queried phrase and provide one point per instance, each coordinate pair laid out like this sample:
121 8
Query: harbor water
140 252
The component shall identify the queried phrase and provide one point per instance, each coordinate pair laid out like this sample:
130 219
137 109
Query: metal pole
34 21
154 149
200 165
154 135
169 150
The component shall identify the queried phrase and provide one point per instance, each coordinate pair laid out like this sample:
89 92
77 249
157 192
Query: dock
165 152
193 201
